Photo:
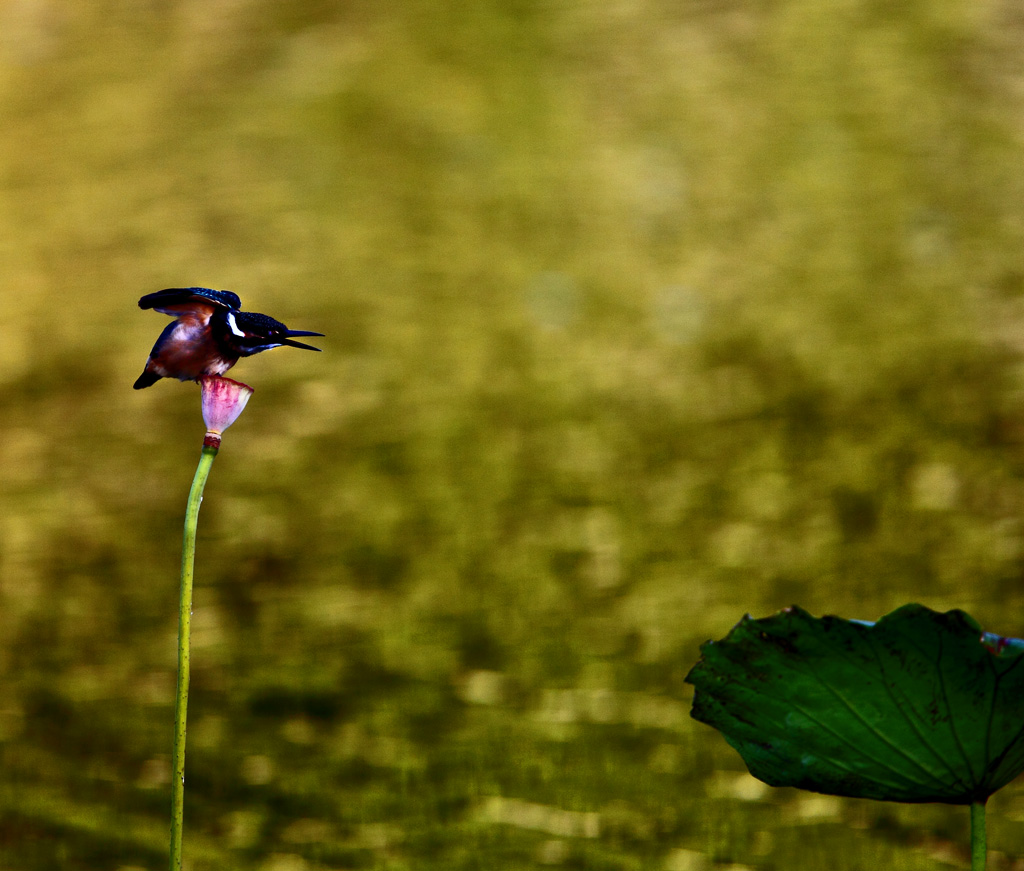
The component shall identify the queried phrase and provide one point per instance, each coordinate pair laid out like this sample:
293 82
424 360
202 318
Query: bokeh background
640 315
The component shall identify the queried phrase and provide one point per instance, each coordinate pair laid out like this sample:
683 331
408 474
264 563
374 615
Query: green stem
188 557
978 840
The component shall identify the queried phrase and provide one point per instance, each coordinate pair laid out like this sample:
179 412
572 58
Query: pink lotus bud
223 401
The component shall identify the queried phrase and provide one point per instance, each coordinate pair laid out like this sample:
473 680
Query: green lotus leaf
918 707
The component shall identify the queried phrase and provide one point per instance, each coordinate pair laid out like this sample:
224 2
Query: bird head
250 332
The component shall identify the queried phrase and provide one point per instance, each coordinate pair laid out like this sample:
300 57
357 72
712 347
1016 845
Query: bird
209 334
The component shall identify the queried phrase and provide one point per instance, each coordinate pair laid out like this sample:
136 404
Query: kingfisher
209 334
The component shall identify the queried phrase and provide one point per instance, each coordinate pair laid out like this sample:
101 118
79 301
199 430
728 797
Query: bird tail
146 379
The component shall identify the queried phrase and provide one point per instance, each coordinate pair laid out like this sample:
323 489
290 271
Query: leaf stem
978 840
188 555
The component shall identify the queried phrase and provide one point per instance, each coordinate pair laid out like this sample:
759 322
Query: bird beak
292 344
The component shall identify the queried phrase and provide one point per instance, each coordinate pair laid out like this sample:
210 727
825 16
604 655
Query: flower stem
188 555
978 839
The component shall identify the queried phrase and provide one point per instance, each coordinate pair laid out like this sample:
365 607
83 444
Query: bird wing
201 301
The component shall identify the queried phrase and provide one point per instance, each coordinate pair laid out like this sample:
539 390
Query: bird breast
190 351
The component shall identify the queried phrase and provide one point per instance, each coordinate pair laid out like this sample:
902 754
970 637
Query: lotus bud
223 401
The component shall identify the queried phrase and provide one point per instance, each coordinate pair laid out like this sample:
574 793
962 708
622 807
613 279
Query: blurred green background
640 315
